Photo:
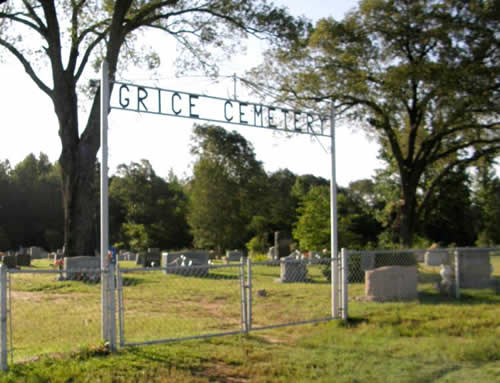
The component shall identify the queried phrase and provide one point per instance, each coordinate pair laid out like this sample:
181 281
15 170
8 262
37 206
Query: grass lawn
434 339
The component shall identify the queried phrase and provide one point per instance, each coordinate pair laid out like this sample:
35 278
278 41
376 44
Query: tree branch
447 169
28 68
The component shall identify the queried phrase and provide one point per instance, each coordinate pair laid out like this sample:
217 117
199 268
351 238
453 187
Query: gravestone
23 259
151 258
391 283
293 270
234 255
271 254
436 257
37 252
475 269
10 261
83 268
282 244
189 262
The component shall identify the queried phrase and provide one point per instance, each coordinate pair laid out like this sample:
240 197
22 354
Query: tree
487 196
30 203
66 36
357 228
421 76
224 193
147 211
449 217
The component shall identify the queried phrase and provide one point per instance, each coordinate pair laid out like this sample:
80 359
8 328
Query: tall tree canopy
66 36
146 210
422 76
226 190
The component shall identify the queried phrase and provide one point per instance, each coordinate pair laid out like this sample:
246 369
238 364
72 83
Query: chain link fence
51 312
159 305
289 291
418 275
46 311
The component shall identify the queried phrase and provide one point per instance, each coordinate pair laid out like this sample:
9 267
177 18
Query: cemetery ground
56 331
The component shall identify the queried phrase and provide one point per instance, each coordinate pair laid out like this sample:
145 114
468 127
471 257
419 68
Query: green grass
434 339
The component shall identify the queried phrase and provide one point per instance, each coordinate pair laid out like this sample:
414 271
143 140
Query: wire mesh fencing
289 291
158 305
433 275
50 311
477 269
46 311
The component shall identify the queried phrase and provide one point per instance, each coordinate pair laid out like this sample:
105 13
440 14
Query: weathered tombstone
436 257
271 254
10 261
37 252
391 283
475 269
293 270
234 255
282 244
190 262
151 258
86 268
23 259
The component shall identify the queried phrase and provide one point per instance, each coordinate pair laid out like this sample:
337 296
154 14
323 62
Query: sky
29 125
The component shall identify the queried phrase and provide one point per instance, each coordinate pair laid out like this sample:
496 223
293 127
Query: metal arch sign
174 103
144 99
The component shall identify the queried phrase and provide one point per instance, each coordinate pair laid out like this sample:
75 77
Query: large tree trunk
408 217
77 160
79 200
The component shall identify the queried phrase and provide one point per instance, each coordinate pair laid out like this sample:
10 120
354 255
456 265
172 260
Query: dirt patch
221 372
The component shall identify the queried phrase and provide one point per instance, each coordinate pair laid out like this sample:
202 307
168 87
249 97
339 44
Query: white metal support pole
244 320
105 330
333 221
457 274
3 319
111 308
344 282
249 293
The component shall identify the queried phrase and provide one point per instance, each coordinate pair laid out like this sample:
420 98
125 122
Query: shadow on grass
132 281
469 297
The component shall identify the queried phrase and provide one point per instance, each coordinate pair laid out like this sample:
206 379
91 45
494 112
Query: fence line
140 306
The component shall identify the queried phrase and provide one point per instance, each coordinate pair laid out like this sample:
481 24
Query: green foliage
420 77
147 211
313 226
30 204
357 228
226 181
77 36
487 197
257 245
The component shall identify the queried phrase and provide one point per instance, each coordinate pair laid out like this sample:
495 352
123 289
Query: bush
257 245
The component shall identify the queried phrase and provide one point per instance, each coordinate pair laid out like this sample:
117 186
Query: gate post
249 292
3 319
457 273
344 283
243 294
111 309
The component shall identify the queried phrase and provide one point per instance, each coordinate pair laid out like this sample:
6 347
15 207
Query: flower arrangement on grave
59 263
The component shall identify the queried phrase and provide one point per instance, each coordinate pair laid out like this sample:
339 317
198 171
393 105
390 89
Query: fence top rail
307 261
72 270
419 251
175 268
